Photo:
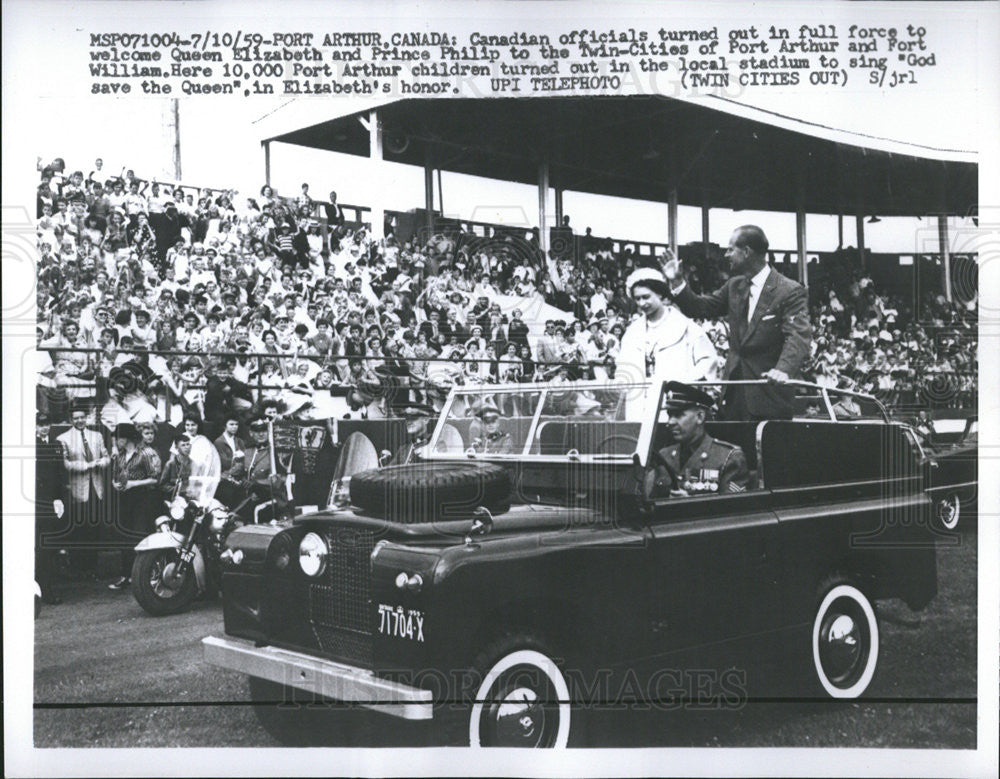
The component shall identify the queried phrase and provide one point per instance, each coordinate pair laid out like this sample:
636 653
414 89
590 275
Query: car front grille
340 610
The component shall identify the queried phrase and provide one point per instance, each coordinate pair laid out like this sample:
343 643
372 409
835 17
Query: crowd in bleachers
286 304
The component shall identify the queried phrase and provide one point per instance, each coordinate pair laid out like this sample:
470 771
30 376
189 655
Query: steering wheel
657 456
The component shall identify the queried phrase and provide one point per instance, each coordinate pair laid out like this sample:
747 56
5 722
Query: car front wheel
845 641
522 701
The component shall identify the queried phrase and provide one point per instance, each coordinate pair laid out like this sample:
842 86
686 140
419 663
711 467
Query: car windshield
561 419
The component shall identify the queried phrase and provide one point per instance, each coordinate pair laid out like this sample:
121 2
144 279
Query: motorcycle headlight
177 508
219 519
312 554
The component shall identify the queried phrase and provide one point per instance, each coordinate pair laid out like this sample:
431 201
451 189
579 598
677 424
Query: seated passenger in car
491 439
700 463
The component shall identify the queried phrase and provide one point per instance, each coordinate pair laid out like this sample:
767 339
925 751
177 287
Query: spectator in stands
215 278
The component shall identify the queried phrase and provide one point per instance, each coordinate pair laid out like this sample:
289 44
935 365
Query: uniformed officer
418 430
491 439
254 473
703 464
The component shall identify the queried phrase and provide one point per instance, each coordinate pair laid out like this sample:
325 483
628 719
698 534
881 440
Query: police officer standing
255 472
701 463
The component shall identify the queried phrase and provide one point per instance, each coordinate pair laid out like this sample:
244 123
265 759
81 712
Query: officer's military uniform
846 407
406 453
496 443
712 466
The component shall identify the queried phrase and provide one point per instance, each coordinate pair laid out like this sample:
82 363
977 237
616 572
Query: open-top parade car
550 548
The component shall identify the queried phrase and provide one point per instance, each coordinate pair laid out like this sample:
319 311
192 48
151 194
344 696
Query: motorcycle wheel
148 586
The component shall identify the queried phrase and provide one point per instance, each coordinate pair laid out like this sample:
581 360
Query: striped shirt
143 463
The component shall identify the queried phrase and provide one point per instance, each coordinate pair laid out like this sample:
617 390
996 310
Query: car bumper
331 680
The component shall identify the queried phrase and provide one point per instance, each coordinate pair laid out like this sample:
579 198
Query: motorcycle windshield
358 455
450 440
206 471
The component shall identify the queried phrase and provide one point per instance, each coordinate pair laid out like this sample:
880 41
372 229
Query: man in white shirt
135 203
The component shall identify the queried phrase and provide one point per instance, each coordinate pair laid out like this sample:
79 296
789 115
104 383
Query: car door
715 569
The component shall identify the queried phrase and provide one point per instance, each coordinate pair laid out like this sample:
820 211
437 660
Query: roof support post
859 221
376 155
267 161
800 240
840 230
704 224
429 191
559 207
672 221
945 250
543 222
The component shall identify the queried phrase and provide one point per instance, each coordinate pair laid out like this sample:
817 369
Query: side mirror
482 524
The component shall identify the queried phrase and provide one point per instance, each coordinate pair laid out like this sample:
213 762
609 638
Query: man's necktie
87 453
752 300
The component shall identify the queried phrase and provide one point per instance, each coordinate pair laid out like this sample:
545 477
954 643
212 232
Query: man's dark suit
778 336
50 485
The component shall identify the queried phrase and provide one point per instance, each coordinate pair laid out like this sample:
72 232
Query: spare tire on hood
431 492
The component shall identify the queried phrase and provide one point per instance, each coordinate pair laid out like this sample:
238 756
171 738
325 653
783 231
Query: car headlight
162 523
312 554
177 508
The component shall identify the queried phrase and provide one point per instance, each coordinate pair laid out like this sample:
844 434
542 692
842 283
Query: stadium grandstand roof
716 152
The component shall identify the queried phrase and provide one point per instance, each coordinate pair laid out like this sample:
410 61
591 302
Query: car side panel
584 590
715 570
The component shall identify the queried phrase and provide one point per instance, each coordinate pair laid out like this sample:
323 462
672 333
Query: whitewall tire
845 642
523 701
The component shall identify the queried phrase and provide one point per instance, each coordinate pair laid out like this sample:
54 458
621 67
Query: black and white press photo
412 382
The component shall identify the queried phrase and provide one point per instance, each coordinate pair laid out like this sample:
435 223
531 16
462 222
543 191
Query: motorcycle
180 561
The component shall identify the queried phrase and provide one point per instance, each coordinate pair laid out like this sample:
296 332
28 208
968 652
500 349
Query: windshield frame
542 390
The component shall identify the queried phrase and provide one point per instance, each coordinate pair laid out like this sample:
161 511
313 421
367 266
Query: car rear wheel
949 509
845 640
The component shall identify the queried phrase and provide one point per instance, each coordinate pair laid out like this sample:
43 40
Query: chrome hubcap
166 578
948 511
518 719
842 644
